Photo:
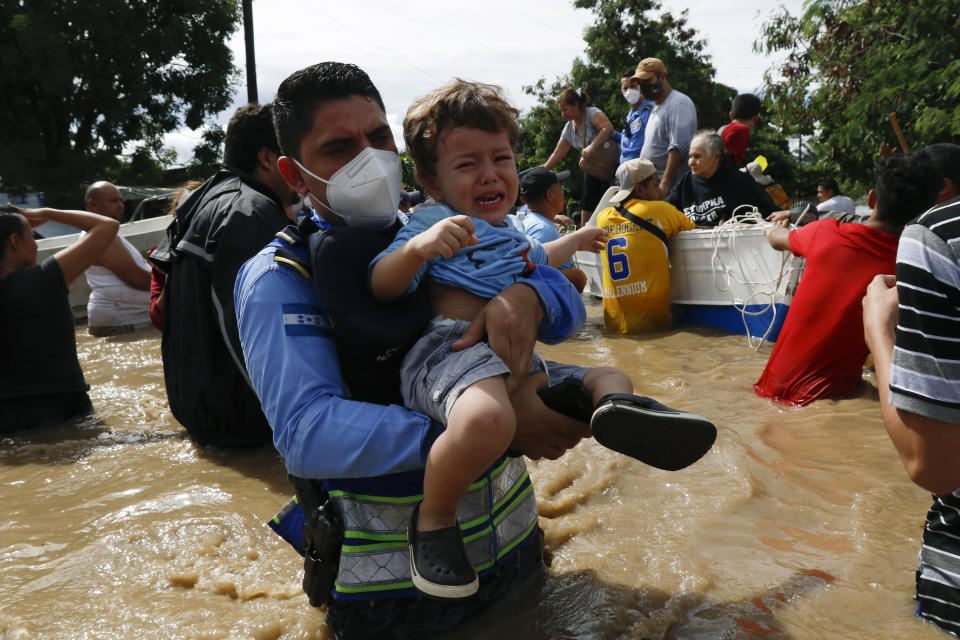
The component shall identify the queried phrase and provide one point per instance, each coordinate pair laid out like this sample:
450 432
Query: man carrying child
461 139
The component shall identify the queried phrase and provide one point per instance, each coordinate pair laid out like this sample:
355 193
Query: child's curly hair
458 104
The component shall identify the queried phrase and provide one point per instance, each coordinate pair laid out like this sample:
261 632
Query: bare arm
559 153
585 239
117 259
603 126
75 259
778 235
927 447
394 272
674 162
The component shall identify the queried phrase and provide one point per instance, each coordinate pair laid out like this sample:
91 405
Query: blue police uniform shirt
630 146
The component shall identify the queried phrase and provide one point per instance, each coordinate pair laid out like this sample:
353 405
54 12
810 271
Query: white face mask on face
364 192
632 96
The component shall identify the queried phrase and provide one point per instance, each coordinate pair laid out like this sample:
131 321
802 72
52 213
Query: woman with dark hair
714 188
585 125
40 379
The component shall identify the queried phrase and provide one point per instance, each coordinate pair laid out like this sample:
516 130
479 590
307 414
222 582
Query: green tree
82 80
848 64
623 33
208 153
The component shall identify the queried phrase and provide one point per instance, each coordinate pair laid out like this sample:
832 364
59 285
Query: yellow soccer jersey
636 267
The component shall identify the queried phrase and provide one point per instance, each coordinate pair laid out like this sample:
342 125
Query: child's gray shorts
433 375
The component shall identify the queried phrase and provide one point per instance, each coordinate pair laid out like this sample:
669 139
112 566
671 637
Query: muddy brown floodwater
800 523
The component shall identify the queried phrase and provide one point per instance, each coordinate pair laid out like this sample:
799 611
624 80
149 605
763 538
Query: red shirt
157 280
821 351
735 137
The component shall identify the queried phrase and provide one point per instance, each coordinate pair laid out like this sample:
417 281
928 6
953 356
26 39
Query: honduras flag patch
304 320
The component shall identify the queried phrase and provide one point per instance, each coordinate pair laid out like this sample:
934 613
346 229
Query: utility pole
251 59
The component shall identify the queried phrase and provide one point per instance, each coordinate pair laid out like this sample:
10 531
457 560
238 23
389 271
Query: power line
368 40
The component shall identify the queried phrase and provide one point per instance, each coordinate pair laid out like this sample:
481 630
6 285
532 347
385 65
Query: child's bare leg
605 380
480 427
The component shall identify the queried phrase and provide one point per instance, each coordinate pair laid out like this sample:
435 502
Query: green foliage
623 33
81 80
849 63
208 154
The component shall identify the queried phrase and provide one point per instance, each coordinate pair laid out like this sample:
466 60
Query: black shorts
593 190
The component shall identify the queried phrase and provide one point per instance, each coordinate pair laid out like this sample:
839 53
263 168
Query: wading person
41 382
120 278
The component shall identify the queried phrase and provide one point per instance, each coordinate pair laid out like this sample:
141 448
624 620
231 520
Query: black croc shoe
651 432
439 565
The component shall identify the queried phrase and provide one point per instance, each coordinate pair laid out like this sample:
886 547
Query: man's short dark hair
745 106
830 185
627 74
250 129
906 187
302 92
945 156
11 223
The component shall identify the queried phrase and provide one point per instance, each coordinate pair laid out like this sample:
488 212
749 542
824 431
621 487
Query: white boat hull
729 279
143 234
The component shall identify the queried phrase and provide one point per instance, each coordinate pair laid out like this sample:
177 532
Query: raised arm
117 259
393 273
559 153
75 259
585 239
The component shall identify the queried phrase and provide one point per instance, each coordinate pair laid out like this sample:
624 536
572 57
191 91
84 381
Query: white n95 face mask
631 95
365 192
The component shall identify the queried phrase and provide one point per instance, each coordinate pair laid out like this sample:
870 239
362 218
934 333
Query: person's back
218 227
41 382
636 265
821 350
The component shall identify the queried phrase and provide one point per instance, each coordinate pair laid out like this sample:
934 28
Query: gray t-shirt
671 126
575 137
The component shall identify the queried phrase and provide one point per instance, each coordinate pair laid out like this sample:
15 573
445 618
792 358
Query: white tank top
112 301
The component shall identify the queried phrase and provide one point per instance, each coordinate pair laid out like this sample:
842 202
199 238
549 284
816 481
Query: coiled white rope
734 268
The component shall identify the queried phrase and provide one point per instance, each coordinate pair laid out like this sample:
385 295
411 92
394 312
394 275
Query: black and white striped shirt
925 380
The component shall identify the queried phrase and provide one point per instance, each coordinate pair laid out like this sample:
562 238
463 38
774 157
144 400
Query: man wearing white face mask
631 138
305 322
218 226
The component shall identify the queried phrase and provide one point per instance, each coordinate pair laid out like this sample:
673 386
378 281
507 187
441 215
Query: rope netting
731 265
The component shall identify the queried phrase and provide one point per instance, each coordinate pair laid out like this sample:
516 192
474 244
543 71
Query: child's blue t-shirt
502 256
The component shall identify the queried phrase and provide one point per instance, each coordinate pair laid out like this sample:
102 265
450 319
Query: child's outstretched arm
585 239
393 273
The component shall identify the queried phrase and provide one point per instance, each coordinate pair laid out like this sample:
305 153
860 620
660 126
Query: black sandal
651 432
439 565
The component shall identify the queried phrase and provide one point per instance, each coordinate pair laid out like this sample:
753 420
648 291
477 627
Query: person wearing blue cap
543 193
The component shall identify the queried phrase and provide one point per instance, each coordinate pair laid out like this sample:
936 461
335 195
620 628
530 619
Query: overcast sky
413 47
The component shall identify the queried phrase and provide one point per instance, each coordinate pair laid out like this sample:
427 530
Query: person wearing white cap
636 265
